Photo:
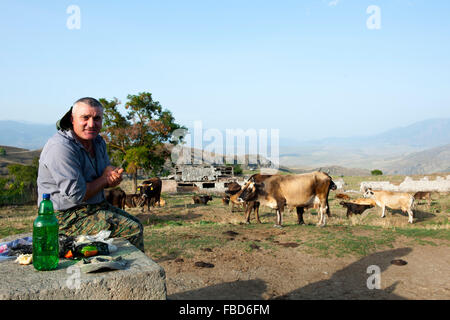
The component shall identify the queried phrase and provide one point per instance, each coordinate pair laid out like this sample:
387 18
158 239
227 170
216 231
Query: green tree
21 181
139 139
376 172
2 151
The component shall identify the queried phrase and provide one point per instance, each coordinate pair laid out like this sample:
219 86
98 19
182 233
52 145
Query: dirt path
290 273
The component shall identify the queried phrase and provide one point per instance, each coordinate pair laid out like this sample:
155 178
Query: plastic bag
102 236
16 247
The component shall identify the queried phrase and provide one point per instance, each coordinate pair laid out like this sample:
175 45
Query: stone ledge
142 279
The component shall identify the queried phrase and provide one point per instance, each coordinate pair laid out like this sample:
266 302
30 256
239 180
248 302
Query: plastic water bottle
45 237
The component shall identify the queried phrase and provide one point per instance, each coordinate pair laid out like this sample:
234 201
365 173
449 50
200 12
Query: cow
233 188
161 203
423 195
202 199
355 208
393 200
233 192
226 200
151 190
134 200
116 197
299 190
254 205
342 196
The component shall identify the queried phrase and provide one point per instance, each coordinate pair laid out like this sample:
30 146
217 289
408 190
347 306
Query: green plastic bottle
45 237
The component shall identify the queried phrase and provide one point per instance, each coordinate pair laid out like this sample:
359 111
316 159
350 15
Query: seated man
74 169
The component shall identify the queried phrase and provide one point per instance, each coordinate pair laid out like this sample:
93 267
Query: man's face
86 121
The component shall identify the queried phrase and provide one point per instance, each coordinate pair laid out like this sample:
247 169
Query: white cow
393 200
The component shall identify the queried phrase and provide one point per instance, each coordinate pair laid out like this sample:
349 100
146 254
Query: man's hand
113 176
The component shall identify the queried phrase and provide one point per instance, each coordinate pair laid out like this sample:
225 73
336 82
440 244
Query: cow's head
333 186
250 191
146 188
368 193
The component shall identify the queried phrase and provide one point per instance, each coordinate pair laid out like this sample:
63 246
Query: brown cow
254 205
299 190
202 199
226 200
116 197
354 208
423 195
393 200
134 200
342 196
233 191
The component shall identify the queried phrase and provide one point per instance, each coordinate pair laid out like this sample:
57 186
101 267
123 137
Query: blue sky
311 69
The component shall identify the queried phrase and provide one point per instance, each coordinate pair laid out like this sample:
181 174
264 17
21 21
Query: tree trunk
135 182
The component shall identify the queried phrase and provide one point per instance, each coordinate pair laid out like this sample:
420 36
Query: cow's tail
412 203
332 186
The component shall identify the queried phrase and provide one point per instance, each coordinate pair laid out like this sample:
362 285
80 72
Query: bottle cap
46 196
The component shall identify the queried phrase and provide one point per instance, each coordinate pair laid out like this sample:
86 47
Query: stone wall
440 184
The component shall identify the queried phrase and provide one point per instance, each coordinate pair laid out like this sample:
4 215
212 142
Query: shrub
376 172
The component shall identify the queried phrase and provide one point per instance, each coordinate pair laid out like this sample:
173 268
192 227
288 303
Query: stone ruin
440 184
200 178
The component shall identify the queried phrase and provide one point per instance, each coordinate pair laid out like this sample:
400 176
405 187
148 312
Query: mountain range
420 148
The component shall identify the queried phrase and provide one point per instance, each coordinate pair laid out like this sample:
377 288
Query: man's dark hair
90 101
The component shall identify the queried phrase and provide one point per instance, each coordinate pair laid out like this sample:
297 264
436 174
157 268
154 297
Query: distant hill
16 156
415 149
25 135
336 171
423 134
381 151
432 160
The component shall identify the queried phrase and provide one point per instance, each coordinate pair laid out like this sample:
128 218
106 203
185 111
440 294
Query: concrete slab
141 280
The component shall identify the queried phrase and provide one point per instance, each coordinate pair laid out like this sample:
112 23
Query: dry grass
205 223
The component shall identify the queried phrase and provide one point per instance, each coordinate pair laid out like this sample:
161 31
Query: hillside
429 161
415 149
335 171
25 135
16 156
385 151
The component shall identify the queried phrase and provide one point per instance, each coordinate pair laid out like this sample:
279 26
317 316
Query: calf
393 200
134 200
161 203
203 199
233 192
423 195
226 200
354 208
116 197
342 196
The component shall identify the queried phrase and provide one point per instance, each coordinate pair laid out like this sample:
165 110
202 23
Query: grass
182 229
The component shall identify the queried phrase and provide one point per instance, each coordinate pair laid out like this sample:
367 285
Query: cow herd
278 192
149 194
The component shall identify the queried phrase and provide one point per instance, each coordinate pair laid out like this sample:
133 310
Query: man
74 168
